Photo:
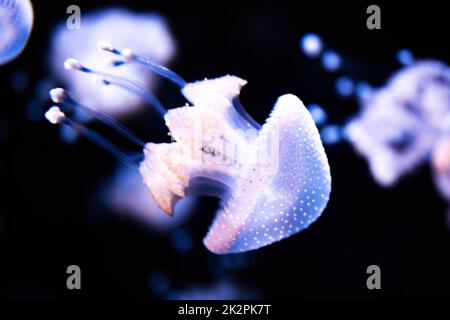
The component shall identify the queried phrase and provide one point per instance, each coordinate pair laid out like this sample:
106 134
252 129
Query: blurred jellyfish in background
318 114
344 86
404 57
441 167
405 124
16 22
331 61
146 33
126 194
311 45
399 126
331 134
363 90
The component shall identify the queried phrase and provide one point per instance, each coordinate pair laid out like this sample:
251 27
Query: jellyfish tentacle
130 85
56 116
60 96
130 56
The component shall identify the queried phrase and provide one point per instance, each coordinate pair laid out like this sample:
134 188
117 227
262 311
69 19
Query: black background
49 218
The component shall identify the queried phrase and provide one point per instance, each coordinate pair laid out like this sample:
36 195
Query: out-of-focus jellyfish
147 33
405 57
440 161
331 61
221 290
311 45
403 123
274 179
16 22
344 86
363 90
331 134
126 194
318 113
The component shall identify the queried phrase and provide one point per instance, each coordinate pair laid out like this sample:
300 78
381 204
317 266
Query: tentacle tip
105 46
72 64
127 54
57 95
55 115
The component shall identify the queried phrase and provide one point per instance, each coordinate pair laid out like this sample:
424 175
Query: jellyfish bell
274 180
16 22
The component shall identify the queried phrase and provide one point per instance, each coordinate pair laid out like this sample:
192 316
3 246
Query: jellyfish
16 22
406 124
148 33
440 161
273 179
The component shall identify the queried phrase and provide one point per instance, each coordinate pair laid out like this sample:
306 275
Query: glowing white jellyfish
403 123
274 179
147 33
16 22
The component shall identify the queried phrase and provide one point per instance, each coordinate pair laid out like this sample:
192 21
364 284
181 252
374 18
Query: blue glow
19 80
67 134
311 45
331 134
318 114
182 240
16 21
331 61
405 57
344 86
159 282
363 90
